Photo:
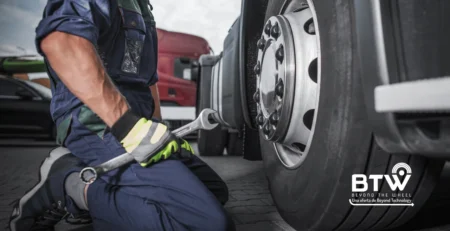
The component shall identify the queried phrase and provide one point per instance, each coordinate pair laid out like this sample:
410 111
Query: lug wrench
202 122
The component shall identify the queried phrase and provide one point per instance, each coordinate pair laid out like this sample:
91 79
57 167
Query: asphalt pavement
250 204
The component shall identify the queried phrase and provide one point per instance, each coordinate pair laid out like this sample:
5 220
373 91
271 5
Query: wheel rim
288 83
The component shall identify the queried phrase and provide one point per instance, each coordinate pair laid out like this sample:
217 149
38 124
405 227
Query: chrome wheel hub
288 83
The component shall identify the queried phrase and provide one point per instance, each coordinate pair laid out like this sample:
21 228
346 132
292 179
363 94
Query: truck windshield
18 21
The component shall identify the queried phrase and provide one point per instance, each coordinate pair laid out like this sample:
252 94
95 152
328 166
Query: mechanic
102 58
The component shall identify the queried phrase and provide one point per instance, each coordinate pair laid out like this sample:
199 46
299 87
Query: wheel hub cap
269 81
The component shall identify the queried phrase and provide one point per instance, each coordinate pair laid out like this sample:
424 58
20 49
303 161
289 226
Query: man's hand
186 148
148 141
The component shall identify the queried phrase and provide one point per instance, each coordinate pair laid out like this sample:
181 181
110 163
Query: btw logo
360 182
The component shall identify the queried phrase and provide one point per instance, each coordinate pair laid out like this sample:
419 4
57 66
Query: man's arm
155 94
79 67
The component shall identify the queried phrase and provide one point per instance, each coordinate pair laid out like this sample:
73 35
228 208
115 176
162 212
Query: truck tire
212 142
311 182
235 144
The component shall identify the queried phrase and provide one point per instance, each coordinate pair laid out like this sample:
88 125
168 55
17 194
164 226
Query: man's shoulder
83 8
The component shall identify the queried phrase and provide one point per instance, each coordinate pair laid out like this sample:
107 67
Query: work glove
186 151
148 141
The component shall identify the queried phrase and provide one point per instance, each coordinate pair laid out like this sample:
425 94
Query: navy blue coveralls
176 194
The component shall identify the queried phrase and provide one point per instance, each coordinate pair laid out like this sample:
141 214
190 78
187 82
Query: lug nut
266 129
280 53
256 96
260 119
275 32
273 119
279 88
257 68
261 43
267 28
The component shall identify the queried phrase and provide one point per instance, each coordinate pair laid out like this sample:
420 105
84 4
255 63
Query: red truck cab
178 56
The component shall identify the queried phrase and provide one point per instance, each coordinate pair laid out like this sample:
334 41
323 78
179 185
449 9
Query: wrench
202 122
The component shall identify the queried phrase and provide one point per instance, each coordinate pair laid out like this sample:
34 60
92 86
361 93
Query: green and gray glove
148 141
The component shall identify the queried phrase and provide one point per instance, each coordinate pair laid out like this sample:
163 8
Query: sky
210 19
18 21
